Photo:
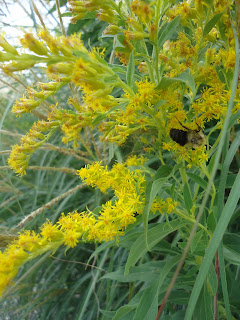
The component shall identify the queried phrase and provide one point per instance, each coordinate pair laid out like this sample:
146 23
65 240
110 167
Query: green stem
196 192
188 218
213 195
149 66
156 63
125 87
184 176
87 148
128 6
149 111
116 7
158 7
161 157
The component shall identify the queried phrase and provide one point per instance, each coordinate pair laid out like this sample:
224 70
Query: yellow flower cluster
138 114
29 245
109 224
184 9
57 51
194 157
35 98
145 108
21 154
164 206
82 7
213 103
135 161
143 11
128 187
90 73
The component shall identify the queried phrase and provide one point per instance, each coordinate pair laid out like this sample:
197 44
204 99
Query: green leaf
65 14
228 183
187 197
231 248
179 297
198 180
101 248
211 162
108 314
196 240
166 247
212 221
163 172
232 241
118 69
159 104
233 119
130 70
231 256
121 312
177 315
166 82
146 272
185 77
212 281
208 27
119 43
215 241
96 211
154 235
128 240
99 118
148 305
204 305
167 30
151 192
76 27
222 31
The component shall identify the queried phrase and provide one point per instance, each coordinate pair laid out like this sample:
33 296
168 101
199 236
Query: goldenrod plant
151 119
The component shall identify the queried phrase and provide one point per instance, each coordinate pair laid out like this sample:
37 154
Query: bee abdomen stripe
179 136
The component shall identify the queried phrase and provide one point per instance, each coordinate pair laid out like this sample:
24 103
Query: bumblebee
190 138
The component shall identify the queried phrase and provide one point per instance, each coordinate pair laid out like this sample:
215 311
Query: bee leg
199 128
208 145
182 125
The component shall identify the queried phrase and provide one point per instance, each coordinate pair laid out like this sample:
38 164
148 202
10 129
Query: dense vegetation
120 193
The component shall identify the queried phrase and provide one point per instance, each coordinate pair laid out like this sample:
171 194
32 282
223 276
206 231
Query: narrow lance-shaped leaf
216 239
166 32
155 235
130 70
208 27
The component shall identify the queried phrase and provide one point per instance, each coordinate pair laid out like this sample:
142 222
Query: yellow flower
50 232
66 222
93 233
70 238
86 221
142 10
170 205
6 46
18 160
20 155
16 256
29 241
30 42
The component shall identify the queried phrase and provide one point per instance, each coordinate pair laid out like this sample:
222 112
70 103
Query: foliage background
52 289
62 286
